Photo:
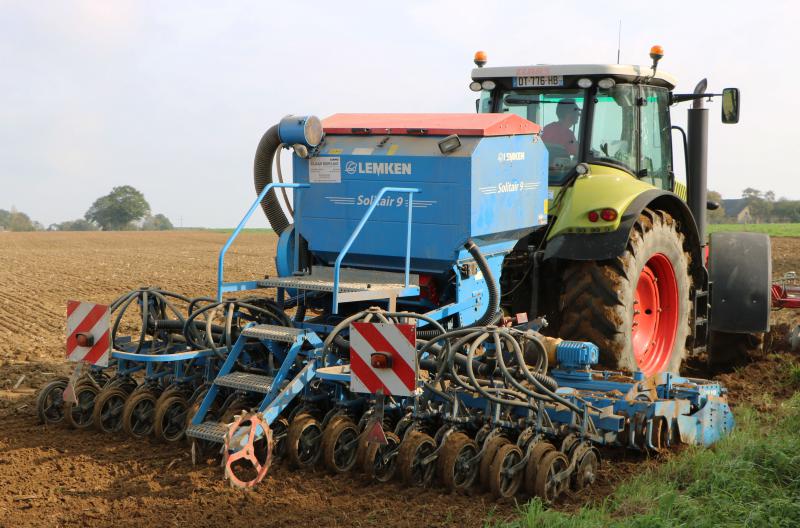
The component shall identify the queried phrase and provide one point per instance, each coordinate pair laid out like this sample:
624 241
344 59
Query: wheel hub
655 315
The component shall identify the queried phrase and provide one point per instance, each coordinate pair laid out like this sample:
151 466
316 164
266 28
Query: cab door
655 138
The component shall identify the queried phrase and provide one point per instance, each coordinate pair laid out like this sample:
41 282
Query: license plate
535 81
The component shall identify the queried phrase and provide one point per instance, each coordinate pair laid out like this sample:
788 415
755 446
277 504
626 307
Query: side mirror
730 105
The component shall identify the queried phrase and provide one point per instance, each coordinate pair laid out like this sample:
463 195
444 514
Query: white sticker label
325 169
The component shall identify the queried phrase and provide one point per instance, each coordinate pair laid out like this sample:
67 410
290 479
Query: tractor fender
740 271
603 246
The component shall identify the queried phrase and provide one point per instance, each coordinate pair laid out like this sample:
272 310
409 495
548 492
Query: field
57 477
775 230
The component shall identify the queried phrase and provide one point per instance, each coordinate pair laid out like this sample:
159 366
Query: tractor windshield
558 111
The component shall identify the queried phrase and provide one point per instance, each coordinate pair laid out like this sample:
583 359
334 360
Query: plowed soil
59 477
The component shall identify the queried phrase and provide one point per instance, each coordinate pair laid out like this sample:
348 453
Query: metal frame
223 286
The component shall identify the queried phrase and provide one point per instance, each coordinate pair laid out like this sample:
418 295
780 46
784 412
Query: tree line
124 208
763 208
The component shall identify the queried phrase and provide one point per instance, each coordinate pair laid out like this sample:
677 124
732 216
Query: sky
173 97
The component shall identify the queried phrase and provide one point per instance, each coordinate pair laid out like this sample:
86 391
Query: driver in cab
559 133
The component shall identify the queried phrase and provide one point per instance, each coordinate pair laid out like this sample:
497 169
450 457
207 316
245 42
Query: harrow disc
458 464
50 402
138 415
547 486
504 480
248 451
303 441
414 449
380 461
537 452
80 415
339 445
107 412
586 471
169 416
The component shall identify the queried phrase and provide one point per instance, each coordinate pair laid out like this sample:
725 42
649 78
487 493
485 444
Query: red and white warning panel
383 356
88 333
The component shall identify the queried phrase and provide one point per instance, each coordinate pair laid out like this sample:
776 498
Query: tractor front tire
635 307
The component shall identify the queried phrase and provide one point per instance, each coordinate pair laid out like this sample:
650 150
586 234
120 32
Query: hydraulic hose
494 298
492 314
267 149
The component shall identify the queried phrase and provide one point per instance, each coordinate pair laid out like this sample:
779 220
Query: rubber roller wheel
80 415
488 457
107 413
170 417
303 441
280 429
457 464
532 467
547 487
414 449
50 402
339 445
503 482
376 462
138 415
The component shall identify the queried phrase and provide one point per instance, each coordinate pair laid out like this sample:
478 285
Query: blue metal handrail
357 231
221 263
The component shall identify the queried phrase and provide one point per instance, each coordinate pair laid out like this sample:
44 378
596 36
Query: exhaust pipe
697 179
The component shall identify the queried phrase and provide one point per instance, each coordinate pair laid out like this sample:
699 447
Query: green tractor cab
622 261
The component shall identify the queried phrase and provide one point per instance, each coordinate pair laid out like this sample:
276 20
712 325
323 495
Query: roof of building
734 206
631 72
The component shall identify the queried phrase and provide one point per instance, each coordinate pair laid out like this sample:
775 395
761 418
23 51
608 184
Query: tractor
624 260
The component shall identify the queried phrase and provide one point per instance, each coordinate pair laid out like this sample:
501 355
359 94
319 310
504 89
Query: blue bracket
222 286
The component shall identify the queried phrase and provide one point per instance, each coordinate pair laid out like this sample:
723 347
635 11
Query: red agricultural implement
786 294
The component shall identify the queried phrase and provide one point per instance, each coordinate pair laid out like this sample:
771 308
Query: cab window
615 127
558 112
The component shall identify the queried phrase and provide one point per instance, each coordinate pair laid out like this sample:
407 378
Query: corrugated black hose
267 149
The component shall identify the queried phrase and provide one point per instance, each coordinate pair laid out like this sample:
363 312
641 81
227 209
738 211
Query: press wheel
377 463
339 445
170 417
414 449
531 468
457 462
138 415
503 483
487 458
80 415
50 402
303 441
107 412
546 487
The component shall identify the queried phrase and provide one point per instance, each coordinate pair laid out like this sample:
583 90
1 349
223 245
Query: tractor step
246 381
210 431
284 334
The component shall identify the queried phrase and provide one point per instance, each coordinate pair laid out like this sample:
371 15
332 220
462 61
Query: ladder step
210 431
274 332
245 381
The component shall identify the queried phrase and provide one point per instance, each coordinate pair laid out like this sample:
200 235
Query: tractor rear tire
635 307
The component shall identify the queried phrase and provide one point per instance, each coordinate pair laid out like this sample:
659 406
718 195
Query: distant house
738 209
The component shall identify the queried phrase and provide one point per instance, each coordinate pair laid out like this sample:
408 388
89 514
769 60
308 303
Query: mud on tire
598 297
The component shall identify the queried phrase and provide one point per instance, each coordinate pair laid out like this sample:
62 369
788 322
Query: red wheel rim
655 315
